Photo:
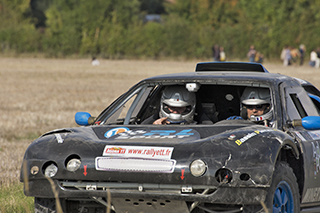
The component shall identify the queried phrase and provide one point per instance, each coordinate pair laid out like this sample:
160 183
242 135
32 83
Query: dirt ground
38 95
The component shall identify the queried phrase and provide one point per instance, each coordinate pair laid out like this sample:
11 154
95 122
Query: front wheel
44 205
283 195
49 205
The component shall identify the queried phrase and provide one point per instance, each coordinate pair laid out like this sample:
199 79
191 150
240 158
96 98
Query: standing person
259 58
216 52
314 60
295 55
222 54
302 50
286 56
252 53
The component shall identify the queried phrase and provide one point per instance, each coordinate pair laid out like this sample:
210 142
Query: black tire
48 205
44 205
284 183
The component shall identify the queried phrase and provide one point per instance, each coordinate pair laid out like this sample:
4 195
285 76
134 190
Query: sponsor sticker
150 152
123 133
114 150
115 131
246 137
250 135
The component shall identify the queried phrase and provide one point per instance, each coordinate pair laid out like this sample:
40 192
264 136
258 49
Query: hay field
38 95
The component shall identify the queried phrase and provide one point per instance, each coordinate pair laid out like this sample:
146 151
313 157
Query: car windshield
214 101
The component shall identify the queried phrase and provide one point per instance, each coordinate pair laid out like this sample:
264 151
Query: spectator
302 50
252 53
314 60
216 52
95 62
259 58
295 55
222 54
286 56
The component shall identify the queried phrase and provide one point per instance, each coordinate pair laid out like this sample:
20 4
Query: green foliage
152 6
77 26
16 31
188 28
146 40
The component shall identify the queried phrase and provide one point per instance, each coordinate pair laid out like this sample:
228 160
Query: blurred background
138 29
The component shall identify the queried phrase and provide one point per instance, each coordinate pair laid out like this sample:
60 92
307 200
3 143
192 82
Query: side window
314 94
119 115
298 103
126 112
316 101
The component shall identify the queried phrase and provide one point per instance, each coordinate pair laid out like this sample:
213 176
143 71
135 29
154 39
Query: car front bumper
193 193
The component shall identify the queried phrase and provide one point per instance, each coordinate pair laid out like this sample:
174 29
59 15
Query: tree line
186 28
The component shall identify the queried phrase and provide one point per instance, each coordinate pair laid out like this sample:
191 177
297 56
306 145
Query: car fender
249 153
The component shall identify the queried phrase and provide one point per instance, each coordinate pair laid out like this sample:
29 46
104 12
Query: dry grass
38 95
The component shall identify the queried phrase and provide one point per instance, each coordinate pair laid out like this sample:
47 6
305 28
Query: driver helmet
256 96
175 97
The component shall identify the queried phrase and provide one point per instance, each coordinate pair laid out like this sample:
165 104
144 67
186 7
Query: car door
297 105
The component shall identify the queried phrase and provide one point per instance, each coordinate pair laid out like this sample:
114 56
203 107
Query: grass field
38 95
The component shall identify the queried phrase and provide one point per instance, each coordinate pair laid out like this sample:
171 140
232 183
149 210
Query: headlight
198 168
73 165
51 170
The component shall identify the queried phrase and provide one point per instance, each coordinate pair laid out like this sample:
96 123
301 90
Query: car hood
234 145
155 134
91 140
176 133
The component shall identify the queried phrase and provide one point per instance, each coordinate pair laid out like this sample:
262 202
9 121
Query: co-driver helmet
256 96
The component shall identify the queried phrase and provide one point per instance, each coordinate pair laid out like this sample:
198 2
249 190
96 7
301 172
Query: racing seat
209 109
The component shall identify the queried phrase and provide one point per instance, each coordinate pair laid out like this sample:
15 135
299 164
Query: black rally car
221 162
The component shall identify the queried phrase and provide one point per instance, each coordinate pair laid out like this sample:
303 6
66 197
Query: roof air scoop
230 67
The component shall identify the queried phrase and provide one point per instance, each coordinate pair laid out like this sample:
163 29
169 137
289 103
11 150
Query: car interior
214 103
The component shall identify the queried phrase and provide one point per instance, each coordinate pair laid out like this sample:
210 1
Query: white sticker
59 138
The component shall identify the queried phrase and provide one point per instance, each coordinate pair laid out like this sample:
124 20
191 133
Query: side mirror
309 122
84 118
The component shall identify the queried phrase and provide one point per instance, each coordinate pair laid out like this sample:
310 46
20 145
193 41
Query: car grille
135 164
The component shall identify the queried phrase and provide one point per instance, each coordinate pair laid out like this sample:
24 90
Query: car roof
224 74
